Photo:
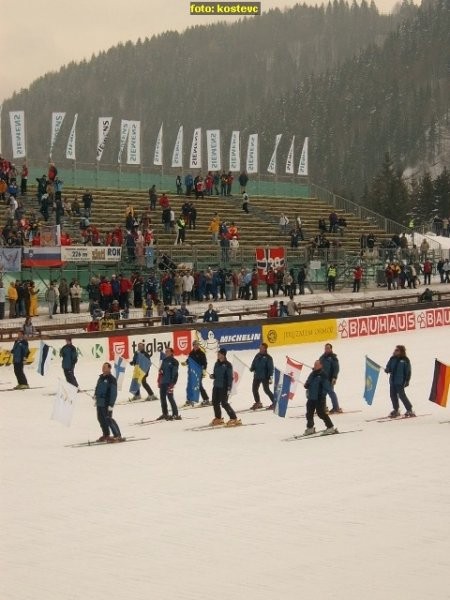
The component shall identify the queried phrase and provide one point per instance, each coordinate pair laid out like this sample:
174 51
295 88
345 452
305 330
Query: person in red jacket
357 277
164 201
427 270
125 289
270 282
52 172
273 310
106 294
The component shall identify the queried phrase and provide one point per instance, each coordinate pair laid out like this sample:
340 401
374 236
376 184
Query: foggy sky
43 35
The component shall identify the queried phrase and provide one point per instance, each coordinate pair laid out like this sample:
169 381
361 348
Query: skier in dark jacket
223 381
399 370
20 352
105 395
199 357
167 378
317 387
330 365
69 356
262 369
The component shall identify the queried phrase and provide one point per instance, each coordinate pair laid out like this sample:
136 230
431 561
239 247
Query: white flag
290 158
272 168
235 151
64 404
134 143
293 369
177 156
17 122
119 370
158 156
238 373
124 128
213 150
57 121
71 142
195 161
303 164
252 153
104 126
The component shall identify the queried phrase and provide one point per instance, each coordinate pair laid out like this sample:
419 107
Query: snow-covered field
230 514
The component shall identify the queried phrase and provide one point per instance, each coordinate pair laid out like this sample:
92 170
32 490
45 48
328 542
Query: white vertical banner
235 151
104 126
134 143
1 109
213 150
158 155
290 158
195 161
303 164
17 122
124 128
177 155
64 405
272 168
252 154
57 121
72 139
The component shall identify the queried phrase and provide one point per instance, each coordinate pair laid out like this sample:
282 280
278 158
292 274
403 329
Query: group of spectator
441 226
212 184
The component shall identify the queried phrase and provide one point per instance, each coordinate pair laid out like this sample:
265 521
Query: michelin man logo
208 344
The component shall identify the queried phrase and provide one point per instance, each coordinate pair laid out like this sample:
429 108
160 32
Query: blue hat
223 351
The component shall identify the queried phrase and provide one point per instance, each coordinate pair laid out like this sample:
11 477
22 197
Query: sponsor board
73 254
393 322
182 343
300 333
6 358
118 346
154 343
231 338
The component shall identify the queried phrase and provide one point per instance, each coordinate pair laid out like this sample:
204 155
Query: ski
319 434
263 409
154 421
96 443
41 387
123 403
401 418
210 427
345 412
442 422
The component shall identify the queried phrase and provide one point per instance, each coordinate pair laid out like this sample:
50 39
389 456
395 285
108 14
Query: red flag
293 369
441 383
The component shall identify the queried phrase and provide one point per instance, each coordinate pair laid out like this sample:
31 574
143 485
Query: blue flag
276 383
141 369
371 380
282 399
193 380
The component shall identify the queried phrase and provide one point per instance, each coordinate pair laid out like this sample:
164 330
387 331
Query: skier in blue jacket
20 352
167 379
317 387
105 395
262 369
399 370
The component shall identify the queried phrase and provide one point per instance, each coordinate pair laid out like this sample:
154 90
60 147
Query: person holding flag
223 382
105 395
198 356
137 361
399 370
69 356
167 379
262 369
330 365
317 387
20 353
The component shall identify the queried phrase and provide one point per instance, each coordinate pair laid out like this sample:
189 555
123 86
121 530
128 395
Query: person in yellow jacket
214 227
12 299
34 309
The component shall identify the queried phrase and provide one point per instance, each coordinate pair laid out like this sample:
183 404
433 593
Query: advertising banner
10 260
74 254
134 143
252 154
72 140
286 334
213 151
158 154
195 161
272 168
177 155
231 338
104 125
235 152
57 121
303 164
17 123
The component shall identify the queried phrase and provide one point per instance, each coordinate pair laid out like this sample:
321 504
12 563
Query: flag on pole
293 369
124 129
193 380
238 373
72 140
440 385
195 161
64 404
17 123
134 143
371 380
57 121
303 164
290 158
272 168
44 358
119 371
251 165
104 125
235 152
141 369
158 154
284 396
177 155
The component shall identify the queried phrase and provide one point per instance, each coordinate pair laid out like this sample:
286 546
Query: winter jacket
20 351
399 370
210 316
330 365
200 357
69 356
317 386
223 375
106 391
262 366
168 371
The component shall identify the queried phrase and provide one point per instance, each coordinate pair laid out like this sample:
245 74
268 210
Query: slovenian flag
441 383
193 380
44 358
282 398
141 368
371 380
293 368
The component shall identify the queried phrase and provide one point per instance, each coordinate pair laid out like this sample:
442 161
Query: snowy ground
229 514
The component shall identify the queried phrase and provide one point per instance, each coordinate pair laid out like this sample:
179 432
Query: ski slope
229 514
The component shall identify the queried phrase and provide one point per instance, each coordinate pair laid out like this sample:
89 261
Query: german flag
441 383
